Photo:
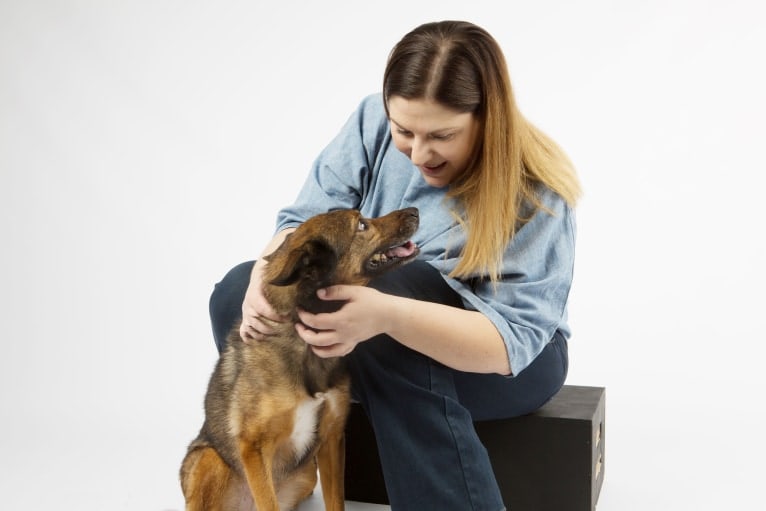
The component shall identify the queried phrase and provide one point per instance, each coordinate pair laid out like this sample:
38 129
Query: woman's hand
258 317
336 334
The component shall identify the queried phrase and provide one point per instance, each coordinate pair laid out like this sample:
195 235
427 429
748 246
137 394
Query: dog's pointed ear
313 260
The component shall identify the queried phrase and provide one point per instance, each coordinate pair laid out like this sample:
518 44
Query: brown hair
460 66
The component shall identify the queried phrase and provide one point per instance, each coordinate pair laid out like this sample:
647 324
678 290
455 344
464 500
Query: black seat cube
550 460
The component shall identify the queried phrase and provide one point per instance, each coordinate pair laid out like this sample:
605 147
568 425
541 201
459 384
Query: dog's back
273 409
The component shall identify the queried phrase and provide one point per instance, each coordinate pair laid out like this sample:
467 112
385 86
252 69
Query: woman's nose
420 152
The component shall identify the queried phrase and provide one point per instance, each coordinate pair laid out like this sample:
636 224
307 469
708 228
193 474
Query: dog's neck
315 305
286 300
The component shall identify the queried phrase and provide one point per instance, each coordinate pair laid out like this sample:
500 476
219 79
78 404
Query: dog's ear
313 260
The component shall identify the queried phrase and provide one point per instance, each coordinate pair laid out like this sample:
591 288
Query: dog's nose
410 220
411 212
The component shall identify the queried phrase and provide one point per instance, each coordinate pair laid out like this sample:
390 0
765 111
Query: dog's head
339 247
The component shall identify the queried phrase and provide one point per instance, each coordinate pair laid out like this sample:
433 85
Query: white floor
662 453
314 503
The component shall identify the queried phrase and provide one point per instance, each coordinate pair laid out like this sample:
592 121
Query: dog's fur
274 411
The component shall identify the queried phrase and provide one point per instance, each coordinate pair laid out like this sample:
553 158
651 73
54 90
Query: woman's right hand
259 318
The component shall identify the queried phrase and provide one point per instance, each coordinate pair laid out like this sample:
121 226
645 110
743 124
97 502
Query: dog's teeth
381 258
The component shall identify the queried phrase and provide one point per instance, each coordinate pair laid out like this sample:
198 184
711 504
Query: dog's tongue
405 250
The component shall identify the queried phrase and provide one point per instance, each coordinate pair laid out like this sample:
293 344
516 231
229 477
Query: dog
274 411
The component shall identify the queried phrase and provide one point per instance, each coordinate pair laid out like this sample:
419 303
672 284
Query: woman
476 328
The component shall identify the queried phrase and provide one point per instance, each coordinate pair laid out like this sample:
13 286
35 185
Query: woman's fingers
259 327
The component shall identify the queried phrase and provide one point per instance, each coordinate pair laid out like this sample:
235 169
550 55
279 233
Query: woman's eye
362 226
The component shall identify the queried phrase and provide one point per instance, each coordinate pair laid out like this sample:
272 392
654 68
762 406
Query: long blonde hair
461 66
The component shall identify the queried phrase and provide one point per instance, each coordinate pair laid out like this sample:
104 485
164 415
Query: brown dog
274 411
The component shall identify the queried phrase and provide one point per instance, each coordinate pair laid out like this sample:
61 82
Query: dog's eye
362 226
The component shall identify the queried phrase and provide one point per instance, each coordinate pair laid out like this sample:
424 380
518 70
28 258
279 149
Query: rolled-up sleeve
529 304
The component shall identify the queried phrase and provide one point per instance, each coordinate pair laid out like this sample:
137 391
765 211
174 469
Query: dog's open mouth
392 255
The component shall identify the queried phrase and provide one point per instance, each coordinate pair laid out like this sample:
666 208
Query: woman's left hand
336 334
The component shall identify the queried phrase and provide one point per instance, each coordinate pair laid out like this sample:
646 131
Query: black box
550 460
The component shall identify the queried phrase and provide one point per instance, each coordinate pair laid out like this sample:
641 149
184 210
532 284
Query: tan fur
274 411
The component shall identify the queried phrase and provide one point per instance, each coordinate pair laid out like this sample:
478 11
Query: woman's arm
462 339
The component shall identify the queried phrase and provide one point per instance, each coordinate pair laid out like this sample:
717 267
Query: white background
145 147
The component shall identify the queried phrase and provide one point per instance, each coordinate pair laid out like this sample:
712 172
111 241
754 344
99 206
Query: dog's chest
307 417
303 436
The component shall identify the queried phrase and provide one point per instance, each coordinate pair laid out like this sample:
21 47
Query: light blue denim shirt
362 169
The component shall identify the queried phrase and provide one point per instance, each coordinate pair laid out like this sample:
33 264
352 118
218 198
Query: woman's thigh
492 396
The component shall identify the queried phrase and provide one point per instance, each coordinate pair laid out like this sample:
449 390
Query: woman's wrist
395 311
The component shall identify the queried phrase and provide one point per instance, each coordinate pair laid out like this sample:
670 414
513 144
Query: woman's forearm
458 338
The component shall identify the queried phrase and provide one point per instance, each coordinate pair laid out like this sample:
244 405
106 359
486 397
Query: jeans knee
225 304
418 280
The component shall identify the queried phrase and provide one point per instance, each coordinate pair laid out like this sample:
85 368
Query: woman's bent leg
423 412
429 450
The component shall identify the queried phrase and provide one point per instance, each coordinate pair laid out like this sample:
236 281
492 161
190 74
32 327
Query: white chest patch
305 425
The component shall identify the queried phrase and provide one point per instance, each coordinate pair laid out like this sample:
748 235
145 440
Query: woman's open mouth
432 170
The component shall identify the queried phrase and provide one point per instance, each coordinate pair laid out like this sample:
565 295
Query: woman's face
439 141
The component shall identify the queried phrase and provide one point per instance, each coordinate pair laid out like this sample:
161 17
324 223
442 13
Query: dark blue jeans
422 411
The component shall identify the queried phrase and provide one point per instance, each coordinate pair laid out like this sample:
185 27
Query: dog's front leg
331 460
257 463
